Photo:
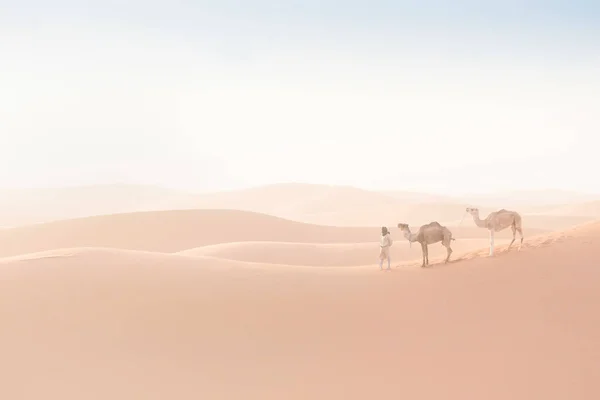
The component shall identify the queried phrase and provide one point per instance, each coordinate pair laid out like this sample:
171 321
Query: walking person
386 243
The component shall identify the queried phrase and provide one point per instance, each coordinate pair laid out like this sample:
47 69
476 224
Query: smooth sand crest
170 231
121 324
178 230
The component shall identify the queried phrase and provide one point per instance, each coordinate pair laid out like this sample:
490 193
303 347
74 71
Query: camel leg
423 251
449 250
514 231
520 230
427 253
491 242
447 243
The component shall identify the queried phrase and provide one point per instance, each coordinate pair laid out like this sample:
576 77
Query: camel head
403 227
473 211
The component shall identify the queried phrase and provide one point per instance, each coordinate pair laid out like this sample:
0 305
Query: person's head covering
384 231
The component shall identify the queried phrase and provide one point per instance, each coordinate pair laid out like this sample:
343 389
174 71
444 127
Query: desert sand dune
295 197
310 203
349 206
315 254
26 206
106 323
30 206
418 197
585 231
323 254
172 231
332 205
375 215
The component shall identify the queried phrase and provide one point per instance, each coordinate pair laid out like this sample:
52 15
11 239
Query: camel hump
503 210
433 224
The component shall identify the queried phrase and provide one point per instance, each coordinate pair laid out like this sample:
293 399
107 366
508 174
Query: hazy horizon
463 98
590 195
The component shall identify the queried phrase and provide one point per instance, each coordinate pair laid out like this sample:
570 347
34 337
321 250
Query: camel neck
478 221
410 236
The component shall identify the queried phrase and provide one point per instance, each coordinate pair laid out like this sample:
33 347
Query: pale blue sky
429 95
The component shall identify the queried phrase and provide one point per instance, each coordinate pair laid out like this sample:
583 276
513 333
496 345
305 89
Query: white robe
386 242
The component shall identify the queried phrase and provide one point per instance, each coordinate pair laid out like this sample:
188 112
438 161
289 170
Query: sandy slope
172 231
105 323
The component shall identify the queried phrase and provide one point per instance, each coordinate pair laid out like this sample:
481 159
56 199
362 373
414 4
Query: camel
497 221
429 234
